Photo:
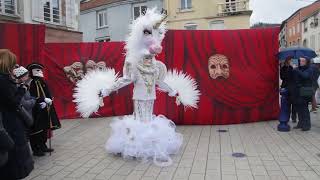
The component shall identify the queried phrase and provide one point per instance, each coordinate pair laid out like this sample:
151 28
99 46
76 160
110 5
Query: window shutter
37 10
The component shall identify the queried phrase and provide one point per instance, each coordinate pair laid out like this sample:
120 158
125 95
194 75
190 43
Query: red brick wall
59 35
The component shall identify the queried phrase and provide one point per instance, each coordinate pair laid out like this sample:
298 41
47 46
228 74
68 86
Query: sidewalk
206 154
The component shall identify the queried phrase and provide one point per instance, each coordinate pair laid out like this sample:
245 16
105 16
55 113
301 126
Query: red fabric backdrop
250 94
57 56
25 40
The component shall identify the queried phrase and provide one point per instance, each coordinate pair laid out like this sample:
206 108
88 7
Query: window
231 6
102 19
305 26
51 11
305 43
8 7
217 25
313 42
185 4
190 26
298 28
103 39
290 32
139 10
293 30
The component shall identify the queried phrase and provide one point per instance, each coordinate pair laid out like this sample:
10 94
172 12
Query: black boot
45 148
37 151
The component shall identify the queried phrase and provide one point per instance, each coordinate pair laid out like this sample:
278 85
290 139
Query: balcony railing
233 7
8 8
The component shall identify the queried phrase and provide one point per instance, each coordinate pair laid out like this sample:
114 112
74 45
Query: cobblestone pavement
206 154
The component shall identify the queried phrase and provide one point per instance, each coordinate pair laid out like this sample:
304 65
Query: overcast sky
275 11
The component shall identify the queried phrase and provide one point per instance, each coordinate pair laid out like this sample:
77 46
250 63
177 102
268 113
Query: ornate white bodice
145 79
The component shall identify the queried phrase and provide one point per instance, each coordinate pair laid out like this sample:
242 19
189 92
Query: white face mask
37 72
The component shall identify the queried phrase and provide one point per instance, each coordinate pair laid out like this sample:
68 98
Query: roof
85 5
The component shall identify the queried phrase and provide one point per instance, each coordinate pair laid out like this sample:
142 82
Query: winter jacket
20 162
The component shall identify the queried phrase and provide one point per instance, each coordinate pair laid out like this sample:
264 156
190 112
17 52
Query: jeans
304 115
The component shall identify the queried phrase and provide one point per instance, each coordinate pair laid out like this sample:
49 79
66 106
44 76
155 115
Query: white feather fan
86 92
186 87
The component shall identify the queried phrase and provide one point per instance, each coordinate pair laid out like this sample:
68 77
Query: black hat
35 66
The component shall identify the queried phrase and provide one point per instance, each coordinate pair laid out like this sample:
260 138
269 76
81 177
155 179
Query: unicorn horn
159 23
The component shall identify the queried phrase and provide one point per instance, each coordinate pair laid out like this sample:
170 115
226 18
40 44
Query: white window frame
140 9
104 20
184 6
216 22
104 39
51 12
3 9
190 25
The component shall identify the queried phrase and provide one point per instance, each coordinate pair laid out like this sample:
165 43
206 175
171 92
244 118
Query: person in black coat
286 75
45 119
20 162
303 78
315 76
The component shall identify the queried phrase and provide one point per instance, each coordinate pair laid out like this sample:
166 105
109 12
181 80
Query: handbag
306 91
25 116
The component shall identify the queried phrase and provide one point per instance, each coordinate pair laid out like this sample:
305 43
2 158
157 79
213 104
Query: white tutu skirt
156 139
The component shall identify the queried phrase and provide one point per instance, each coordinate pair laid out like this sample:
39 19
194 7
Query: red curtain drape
25 40
57 56
250 93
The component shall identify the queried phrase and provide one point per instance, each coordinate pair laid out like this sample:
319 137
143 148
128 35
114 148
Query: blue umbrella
296 53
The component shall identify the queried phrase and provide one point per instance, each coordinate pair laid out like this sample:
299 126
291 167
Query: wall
54 35
230 22
202 13
292 24
313 31
88 25
119 16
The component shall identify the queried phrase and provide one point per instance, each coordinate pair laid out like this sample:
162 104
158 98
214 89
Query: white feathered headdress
145 32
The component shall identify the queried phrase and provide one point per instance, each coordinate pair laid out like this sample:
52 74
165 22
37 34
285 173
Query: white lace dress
144 135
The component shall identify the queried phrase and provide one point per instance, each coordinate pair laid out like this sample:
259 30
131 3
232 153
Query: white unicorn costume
141 135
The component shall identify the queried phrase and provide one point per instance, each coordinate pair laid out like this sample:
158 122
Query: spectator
28 102
20 162
302 93
315 75
286 75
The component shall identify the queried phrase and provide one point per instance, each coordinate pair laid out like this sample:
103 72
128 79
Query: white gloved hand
43 105
48 101
104 92
173 93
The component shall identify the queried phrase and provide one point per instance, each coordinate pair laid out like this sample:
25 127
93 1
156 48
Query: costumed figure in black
45 119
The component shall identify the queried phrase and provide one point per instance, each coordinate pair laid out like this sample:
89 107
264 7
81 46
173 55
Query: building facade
311 31
61 17
294 27
282 35
109 20
208 14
